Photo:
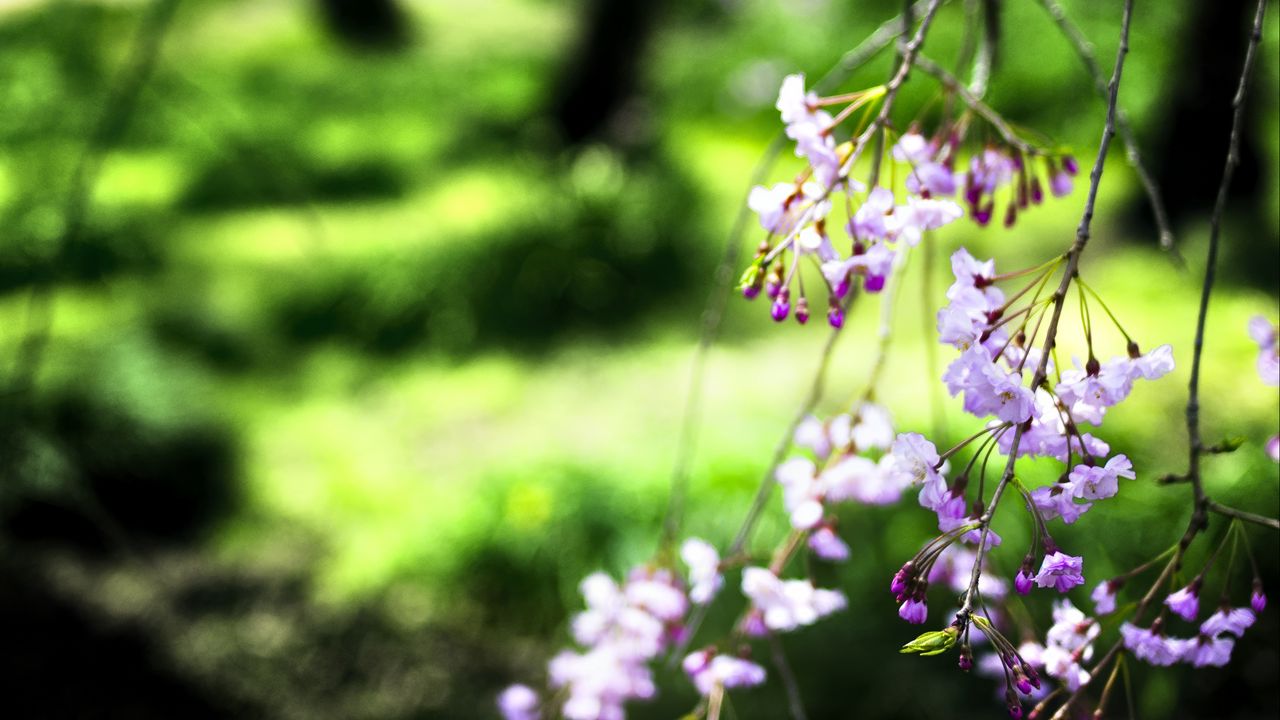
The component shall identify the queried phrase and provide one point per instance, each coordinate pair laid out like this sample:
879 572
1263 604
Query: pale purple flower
914 611
726 671
920 215
1060 571
1104 598
1228 620
987 388
1153 365
1098 483
874 429
1185 602
788 604
913 148
871 220
1151 646
1258 599
1273 447
1204 651
801 492
1056 501
704 569
826 544
1265 335
519 702
915 458
933 178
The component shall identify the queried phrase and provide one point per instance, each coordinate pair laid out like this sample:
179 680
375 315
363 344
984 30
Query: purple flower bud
982 215
781 306
1069 164
802 311
1258 600
900 578
1060 184
966 659
1022 582
842 287
772 288
1037 193
873 283
751 292
1023 684
914 611
1015 710
1011 215
835 316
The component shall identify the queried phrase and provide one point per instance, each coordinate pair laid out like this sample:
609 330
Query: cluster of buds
880 223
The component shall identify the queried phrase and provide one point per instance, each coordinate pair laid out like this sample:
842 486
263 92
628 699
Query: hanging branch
1085 52
1059 297
1201 503
718 297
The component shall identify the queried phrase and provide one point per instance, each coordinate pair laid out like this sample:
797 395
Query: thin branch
1228 511
1085 51
795 704
1059 296
1201 503
952 83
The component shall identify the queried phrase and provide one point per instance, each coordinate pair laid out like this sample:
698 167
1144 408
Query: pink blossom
801 492
707 671
827 545
788 604
1056 501
1151 646
1204 651
1265 335
1098 483
1060 571
1104 597
704 569
519 702
1228 620
1185 602
914 611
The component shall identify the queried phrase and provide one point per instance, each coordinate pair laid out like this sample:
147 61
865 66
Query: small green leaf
934 642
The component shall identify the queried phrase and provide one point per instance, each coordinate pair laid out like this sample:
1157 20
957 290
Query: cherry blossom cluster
1267 336
881 222
623 628
1211 646
1068 645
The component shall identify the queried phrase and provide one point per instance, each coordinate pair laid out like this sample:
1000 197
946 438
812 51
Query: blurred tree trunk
1193 131
602 72
368 24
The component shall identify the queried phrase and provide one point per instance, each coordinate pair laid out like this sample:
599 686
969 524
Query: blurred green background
371 334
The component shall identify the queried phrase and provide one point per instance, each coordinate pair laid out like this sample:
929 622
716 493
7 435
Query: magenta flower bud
1015 710
1258 600
966 659
781 306
751 292
899 583
802 311
1037 193
1011 215
1023 684
982 215
842 287
873 283
1069 164
1023 582
835 316
772 288
914 611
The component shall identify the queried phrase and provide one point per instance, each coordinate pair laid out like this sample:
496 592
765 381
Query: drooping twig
972 101
1200 502
795 703
1059 296
719 294
1084 50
